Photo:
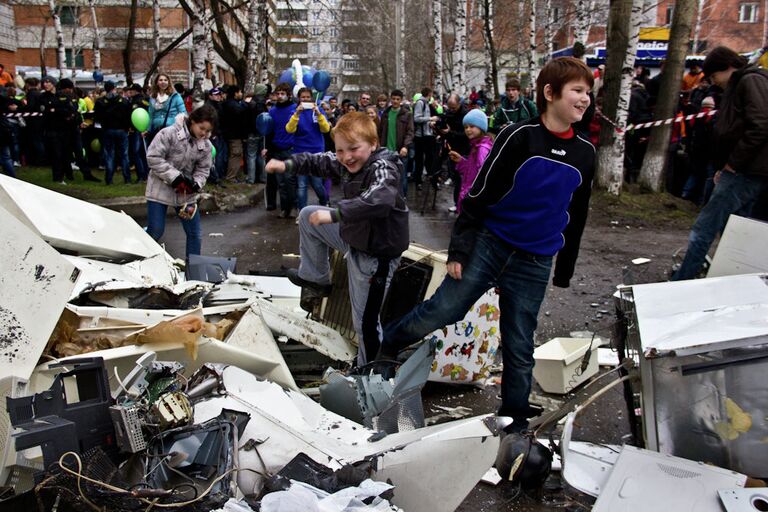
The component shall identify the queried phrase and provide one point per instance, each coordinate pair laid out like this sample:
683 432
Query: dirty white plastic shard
741 249
98 275
75 225
585 466
133 297
308 332
36 281
642 480
688 317
744 500
558 363
275 287
421 464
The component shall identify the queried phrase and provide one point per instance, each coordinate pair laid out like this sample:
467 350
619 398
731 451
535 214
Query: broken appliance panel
702 347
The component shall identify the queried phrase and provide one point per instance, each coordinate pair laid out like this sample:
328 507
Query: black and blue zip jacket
532 193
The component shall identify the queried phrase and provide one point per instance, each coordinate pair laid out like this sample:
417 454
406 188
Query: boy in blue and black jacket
528 203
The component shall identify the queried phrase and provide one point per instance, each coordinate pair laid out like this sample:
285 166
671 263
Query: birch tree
155 28
60 53
532 71
624 22
460 49
548 40
128 50
581 29
697 27
255 48
210 51
199 53
96 36
492 59
437 36
401 55
652 172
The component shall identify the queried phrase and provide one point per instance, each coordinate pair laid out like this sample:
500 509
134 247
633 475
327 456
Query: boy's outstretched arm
323 165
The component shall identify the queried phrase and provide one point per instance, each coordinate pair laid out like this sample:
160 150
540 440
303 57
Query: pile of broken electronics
129 387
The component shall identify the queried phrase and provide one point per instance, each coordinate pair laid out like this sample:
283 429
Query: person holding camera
180 159
308 124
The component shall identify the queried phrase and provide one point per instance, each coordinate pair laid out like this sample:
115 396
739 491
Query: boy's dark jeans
522 280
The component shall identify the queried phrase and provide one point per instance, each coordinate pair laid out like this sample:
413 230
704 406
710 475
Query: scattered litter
215 235
614 222
491 477
640 261
561 364
594 305
449 413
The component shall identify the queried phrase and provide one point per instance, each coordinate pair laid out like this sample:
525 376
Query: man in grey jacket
423 137
741 153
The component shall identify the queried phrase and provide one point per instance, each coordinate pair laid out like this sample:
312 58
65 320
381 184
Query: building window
747 13
334 64
555 14
68 15
79 61
670 11
334 32
351 64
315 48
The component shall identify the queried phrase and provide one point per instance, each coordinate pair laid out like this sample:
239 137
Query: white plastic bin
558 362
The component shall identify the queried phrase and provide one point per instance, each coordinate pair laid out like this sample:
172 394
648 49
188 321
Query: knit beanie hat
475 117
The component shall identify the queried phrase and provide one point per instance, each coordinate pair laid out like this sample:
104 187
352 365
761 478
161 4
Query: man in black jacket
233 118
741 152
113 113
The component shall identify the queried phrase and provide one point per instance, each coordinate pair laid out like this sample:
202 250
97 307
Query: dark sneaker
320 289
91 177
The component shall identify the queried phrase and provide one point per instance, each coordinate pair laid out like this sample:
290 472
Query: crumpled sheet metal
35 282
74 225
422 464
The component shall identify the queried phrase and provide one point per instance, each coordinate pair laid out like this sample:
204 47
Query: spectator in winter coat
164 104
179 162
740 152
475 127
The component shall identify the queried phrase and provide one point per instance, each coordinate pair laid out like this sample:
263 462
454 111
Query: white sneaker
75 167
17 164
452 209
447 182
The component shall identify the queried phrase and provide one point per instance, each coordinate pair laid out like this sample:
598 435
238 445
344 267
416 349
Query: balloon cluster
297 77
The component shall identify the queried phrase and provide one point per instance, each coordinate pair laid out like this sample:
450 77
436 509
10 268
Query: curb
219 200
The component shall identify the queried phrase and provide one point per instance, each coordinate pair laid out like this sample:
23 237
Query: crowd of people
522 173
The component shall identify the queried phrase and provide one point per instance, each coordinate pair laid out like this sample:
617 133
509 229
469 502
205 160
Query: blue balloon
321 81
286 77
265 124
98 76
307 75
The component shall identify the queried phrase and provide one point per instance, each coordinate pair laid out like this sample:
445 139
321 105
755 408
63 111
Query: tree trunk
492 57
73 46
437 36
532 72
43 68
210 52
626 16
156 27
401 56
128 50
61 55
460 49
652 172
582 23
96 36
257 27
198 51
548 41
697 28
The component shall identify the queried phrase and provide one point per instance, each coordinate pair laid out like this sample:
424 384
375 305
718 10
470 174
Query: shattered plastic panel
101 275
36 283
75 225
700 315
432 468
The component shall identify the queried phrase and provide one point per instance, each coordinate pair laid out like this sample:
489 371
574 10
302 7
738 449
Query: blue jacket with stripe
532 193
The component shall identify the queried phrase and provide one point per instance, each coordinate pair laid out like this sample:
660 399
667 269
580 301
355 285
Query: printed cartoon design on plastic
467 349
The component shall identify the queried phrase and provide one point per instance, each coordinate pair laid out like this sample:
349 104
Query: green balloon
213 151
96 145
140 119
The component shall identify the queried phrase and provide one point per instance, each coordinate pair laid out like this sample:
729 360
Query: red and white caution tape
23 114
650 124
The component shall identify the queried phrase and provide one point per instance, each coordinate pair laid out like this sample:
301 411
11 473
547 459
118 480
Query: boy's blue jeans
522 280
156 226
734 193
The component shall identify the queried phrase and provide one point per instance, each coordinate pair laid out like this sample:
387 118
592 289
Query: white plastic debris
640 261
